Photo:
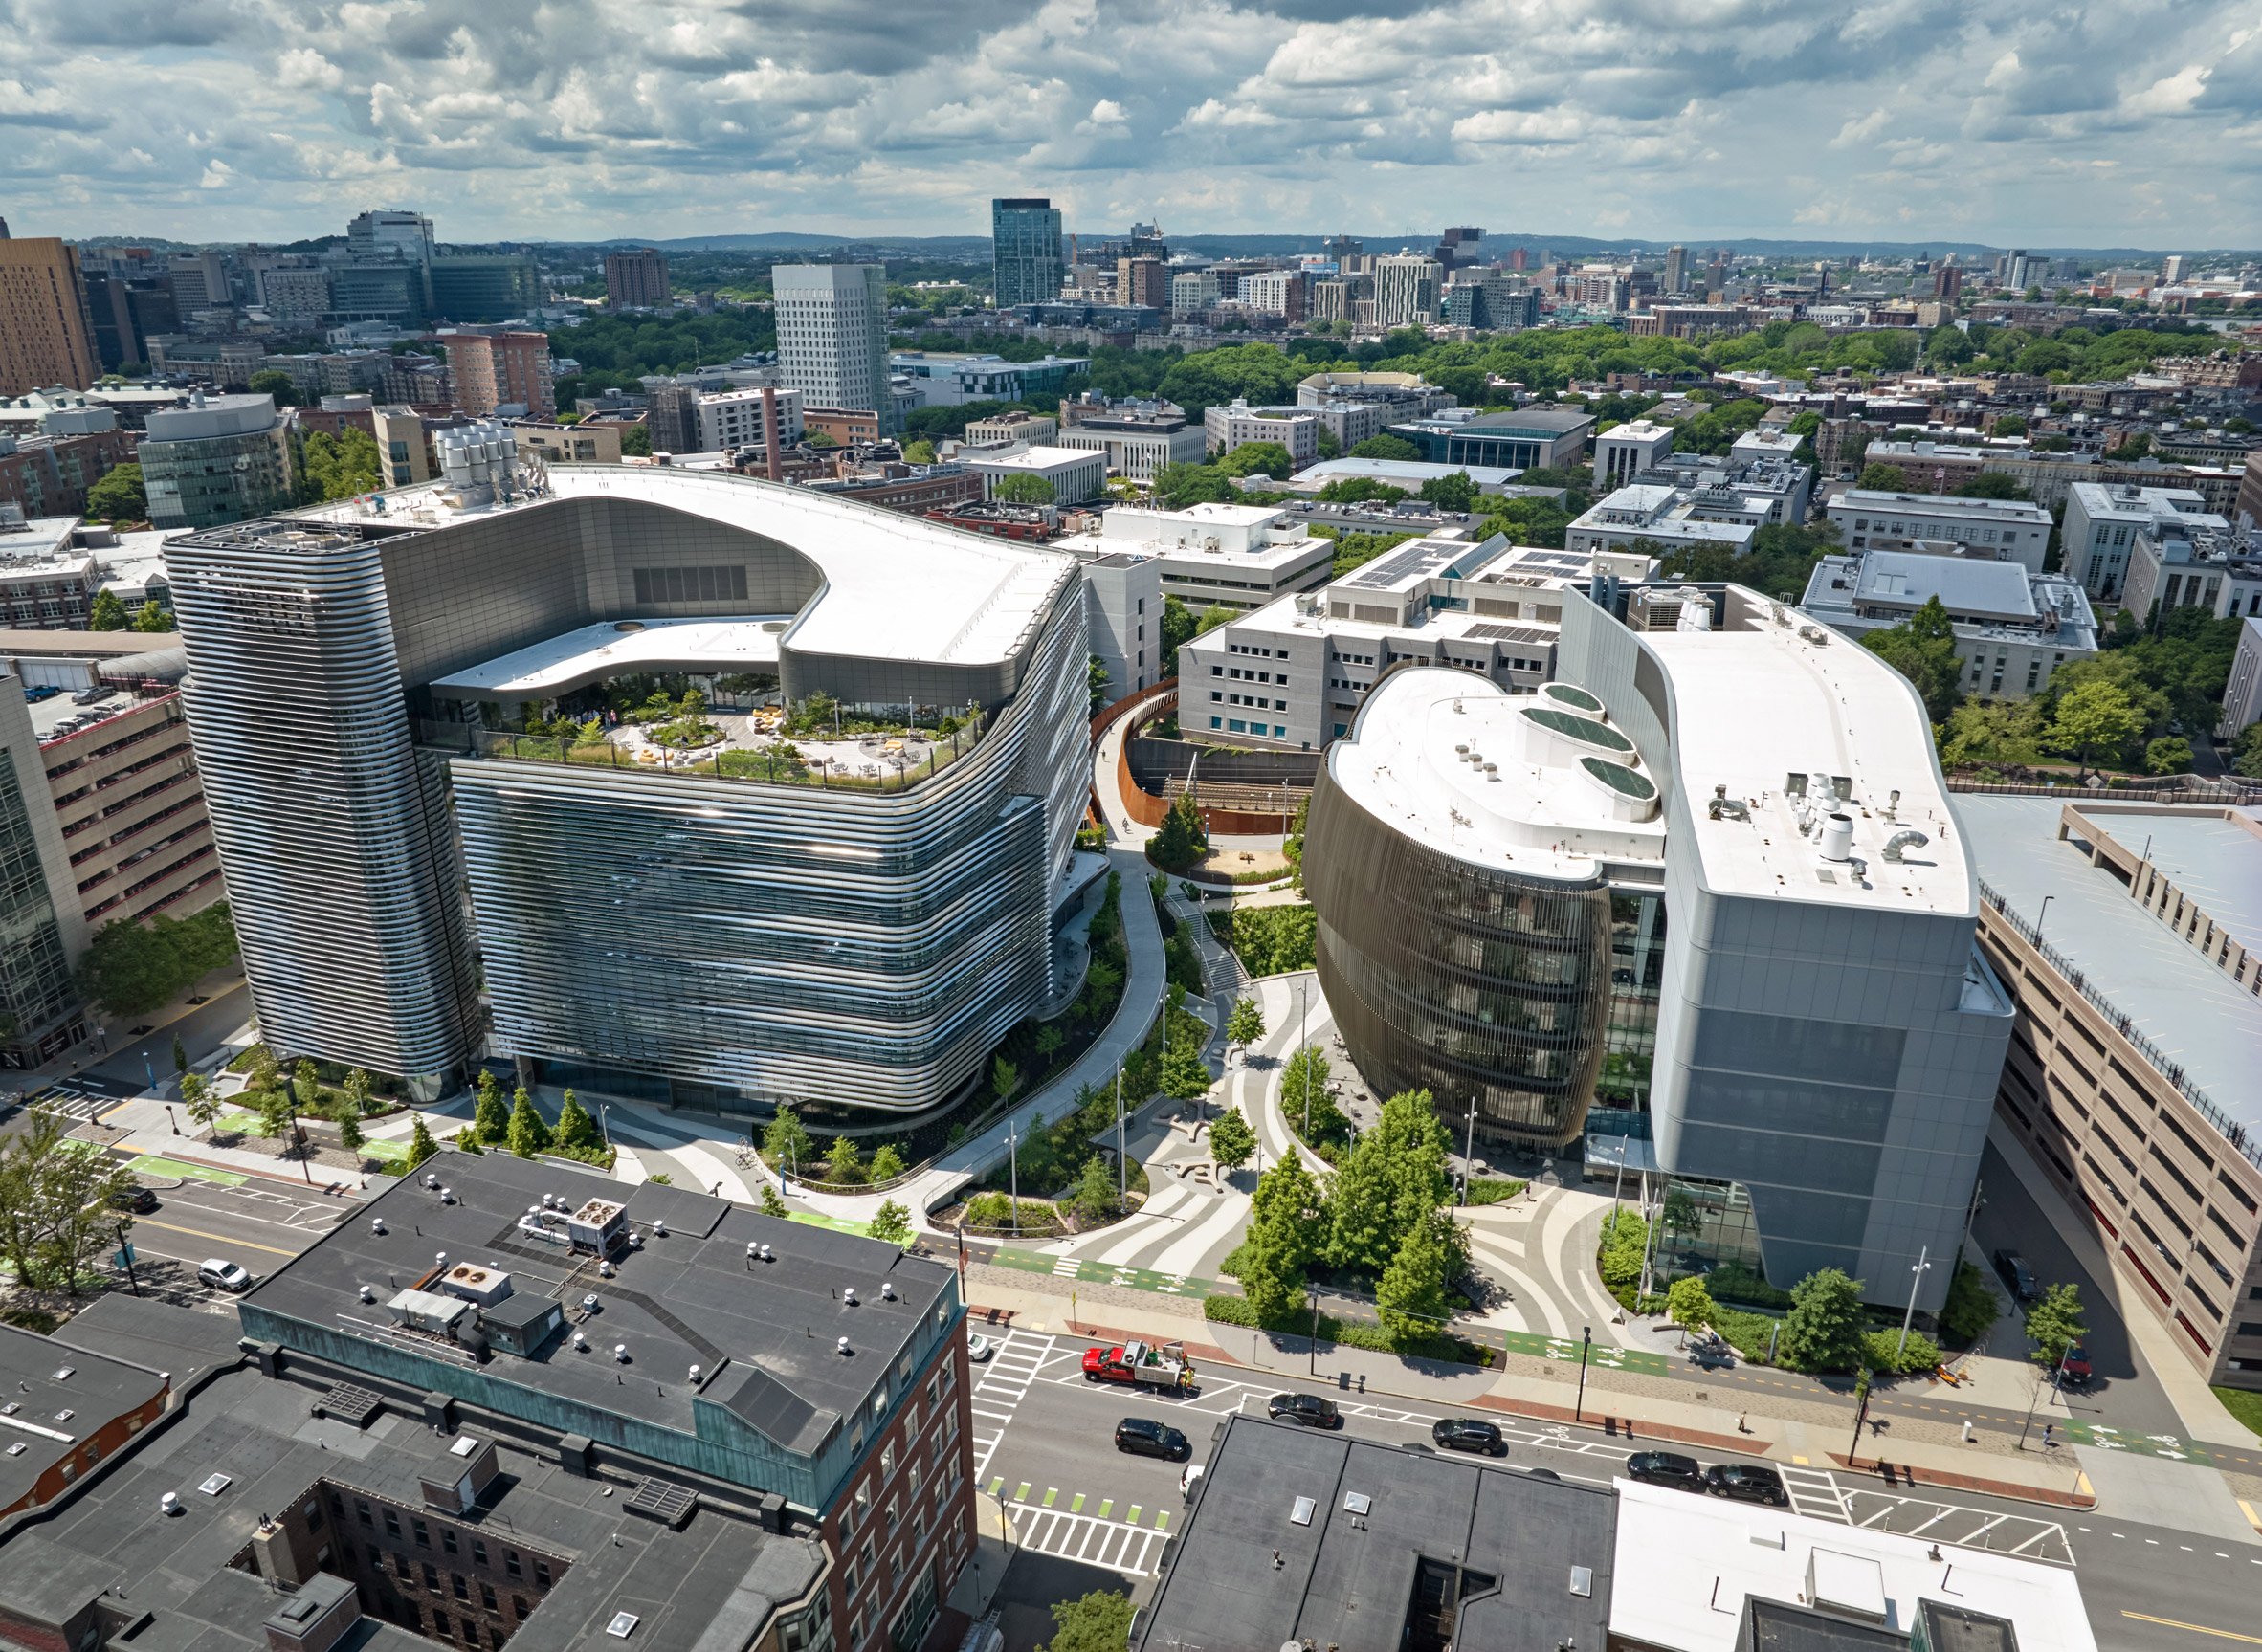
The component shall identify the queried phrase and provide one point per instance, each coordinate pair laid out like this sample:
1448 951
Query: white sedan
979 1349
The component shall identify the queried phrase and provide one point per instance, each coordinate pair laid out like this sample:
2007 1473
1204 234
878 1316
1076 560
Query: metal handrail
2229 1129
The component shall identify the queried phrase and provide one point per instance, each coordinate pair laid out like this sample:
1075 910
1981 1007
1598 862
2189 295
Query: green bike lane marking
1052 1495
149 1164
2106 1439
1088 1273
1075 1504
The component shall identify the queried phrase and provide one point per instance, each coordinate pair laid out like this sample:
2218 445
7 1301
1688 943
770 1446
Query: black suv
1308 1409
1666 1469
1748 1482
1469 1434
2011 1268
1142 1437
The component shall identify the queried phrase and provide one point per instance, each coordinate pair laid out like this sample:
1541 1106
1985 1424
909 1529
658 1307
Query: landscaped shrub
1878 1351
1739 1282
1269 939
1492 1189
1970 1309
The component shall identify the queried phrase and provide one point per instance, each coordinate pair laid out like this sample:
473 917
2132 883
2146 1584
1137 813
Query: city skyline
1898 120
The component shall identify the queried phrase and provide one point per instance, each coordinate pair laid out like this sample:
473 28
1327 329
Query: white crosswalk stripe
1815 1491
1000 1384
65 1102
1135 1551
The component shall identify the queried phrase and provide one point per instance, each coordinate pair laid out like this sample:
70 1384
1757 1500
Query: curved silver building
731 937
1486 869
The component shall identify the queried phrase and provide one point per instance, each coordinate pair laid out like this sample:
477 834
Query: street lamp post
1312 1347
1304 1033
1469 1149
1586 1343
299 1136
1013 1172
2041 915
1122 1165
1924 1263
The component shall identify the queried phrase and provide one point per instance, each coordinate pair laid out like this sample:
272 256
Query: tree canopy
132 968
119 497
1922 649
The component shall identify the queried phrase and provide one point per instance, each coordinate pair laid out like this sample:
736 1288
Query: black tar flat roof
1346 1579
764 1334
40 1380
106 1531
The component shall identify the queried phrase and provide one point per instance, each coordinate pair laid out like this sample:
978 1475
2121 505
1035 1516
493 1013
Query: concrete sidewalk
2033 1477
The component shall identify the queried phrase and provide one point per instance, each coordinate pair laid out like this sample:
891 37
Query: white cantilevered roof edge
897 587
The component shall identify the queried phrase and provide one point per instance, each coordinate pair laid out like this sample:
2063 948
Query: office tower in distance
482 287
391 233
1677 269
636 279
44 335
833 336
1025 250
1406 290
1142 281
220 459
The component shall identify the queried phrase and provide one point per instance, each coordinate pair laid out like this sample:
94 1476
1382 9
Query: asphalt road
259 1223
125 1070
1086 1516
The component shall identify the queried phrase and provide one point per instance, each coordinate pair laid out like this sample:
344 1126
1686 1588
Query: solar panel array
1512 634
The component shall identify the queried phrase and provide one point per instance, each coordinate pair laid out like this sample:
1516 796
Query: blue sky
2135 123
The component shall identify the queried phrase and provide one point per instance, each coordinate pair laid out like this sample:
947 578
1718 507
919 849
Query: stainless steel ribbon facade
727 942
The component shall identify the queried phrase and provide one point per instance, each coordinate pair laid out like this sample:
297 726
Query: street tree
107 613
1922 649
1823 1330
1096 1190
1183 838
785 1142
1099 1621
1023 489
1689 1304
1246 1025
275 1110
1287 1221
1412 1294
887 1163
891 1224
842 1163
55 1211
1005 1078
356 1085
350 1133
773 1203
1231 1142
2094 718
491 1120
2054 1324
199 1099
527 1132
576 1130
1186 1075
421 1145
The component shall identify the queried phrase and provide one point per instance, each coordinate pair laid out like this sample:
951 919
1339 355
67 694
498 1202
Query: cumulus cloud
1667 119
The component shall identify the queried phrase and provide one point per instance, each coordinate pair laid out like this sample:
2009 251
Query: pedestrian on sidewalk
1968 1437
2049 1442
1742 1426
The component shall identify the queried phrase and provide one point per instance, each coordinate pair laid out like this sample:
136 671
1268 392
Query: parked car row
1746 1481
